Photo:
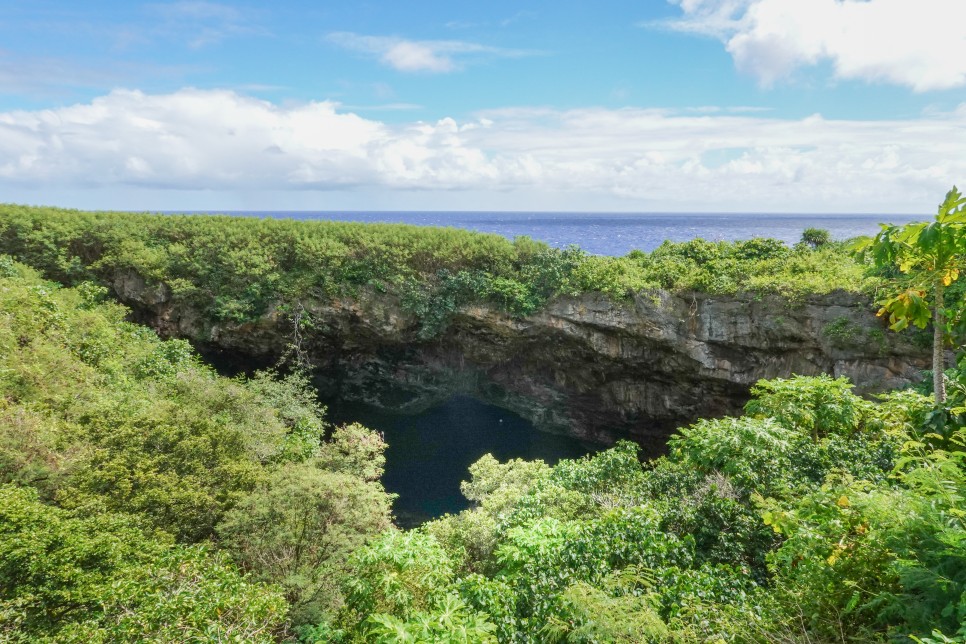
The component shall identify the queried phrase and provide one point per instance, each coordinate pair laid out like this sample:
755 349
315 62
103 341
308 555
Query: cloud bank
649 159
920 45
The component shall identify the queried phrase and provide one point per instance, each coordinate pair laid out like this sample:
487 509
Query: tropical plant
819 405
451 622
930 256
400 574
816 237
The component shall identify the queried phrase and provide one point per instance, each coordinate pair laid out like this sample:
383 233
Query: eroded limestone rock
586 366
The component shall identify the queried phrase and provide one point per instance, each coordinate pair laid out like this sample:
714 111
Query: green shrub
402 575
818 405
298 531
100 578
451 622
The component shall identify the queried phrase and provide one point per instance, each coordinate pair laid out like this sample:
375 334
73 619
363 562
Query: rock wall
585 366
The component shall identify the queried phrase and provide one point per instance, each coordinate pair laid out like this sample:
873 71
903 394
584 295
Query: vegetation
930 256
137 487
145 498
816 237
72 577
234 269
818 516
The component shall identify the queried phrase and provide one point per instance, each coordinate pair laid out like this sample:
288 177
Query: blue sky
678 105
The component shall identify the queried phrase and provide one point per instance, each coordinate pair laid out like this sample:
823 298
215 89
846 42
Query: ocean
617 233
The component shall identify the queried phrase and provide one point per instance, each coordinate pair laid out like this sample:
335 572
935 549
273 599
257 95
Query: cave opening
430 452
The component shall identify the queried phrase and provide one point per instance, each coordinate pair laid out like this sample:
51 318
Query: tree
929 255
354 450
816 237
299 530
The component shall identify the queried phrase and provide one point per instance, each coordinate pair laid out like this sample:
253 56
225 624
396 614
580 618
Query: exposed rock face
585 366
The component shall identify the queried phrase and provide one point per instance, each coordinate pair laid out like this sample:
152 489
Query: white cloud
921 44
631 159
434 56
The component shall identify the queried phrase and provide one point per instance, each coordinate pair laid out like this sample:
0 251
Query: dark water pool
429 453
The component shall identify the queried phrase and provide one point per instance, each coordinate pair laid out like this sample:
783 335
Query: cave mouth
431 445
429 452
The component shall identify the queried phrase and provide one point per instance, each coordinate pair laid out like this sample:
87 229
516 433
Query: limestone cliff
587 366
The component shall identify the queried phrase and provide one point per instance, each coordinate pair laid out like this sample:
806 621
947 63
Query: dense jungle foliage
234 268
145 498
142 496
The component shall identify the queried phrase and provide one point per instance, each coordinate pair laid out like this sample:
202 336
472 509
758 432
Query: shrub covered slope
233 268
124 460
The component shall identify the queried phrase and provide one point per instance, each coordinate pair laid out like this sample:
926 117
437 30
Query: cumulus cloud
920 45
715 160
434 56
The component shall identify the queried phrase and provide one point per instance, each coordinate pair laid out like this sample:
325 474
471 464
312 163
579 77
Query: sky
824 106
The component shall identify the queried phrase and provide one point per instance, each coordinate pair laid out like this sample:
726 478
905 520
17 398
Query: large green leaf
951 205
930 238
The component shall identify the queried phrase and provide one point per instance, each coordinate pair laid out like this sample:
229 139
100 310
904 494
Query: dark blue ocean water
618 233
